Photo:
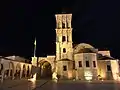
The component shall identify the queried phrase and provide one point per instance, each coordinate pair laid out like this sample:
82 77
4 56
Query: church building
80 62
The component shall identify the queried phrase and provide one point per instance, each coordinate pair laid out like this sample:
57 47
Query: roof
65 60
18 59
74 45
86 50
101 57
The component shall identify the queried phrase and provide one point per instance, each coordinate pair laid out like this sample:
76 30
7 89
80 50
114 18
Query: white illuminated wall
115 69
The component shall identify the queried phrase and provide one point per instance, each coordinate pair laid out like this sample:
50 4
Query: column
21 74
2 77
13 77
9 72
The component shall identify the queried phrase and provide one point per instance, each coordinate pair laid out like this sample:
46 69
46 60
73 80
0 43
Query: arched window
80 63
94 64
64 50
108 68
63 25
63 38
64 68
87 64
67 39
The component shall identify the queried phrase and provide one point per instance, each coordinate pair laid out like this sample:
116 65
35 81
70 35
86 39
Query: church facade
81 62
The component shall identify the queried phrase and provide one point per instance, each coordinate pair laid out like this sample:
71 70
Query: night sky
96 22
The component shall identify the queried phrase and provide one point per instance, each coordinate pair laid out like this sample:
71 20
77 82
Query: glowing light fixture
33 79
54 77
69 74
88 75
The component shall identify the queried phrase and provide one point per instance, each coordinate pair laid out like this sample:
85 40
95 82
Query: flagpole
35 48
35 51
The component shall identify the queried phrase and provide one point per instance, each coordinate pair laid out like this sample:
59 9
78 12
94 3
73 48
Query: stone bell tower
64 47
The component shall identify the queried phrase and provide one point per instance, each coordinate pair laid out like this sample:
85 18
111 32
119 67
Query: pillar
2 77
13 77
26 73
21 74
9 72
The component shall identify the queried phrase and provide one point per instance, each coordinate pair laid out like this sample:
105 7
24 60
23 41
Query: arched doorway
28 71
45 70
11 69
6 73
24 71
1 68
18 69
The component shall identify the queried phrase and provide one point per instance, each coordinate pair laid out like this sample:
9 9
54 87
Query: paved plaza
61 85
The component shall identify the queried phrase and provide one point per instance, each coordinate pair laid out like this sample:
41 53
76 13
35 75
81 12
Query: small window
67 38
87 64
63 38
108 68
64 68
94 64
80 63
64 50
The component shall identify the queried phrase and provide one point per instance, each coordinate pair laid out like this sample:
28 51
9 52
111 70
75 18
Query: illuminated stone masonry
76 62
80 62
14 67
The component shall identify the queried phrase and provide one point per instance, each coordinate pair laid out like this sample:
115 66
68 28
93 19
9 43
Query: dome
84 48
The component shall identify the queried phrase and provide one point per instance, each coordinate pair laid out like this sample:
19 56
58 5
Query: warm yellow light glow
69 74
115 70
33 79
54 77
88 75
102 69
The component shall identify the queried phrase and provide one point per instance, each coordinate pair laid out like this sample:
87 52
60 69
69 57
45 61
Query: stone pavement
80 81
60 85
22 84
81 85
